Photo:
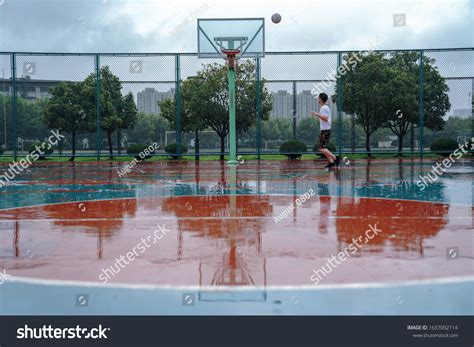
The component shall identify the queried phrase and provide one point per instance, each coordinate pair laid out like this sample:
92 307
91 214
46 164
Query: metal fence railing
96 122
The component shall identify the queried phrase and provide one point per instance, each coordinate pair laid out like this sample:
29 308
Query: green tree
64 111
205 101
369 89
117 112
308 130
29 120
435 95
148 128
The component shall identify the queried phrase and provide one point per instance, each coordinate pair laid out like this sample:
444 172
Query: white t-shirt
325 111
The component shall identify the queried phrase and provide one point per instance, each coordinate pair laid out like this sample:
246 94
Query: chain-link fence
84 96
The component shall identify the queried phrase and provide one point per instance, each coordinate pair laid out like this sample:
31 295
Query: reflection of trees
204 207
104 217
101 218
404 224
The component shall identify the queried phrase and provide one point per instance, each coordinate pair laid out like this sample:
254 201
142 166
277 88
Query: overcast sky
170 26
141 26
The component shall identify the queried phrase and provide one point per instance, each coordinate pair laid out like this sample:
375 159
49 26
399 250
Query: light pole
4 112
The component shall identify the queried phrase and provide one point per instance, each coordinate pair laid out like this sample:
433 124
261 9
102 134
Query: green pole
294 110
421 106
178 105
14 139
339 107
259 109
97 104
232 130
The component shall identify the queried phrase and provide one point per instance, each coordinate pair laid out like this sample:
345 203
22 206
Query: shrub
444 147
138 148
293 149
45 147
330 146
172 148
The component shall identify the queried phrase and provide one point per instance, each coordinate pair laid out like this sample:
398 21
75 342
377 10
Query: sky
142 26
170 25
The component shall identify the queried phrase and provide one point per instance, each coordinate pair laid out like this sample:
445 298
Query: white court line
428 281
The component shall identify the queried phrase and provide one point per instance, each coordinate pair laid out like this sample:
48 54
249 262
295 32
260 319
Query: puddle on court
222 228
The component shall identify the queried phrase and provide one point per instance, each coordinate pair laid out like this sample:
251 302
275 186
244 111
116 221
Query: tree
308 130
117 112
64 111
148 128
435 95
205 101
368 89
129 114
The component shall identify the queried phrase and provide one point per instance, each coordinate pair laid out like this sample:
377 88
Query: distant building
282 102
28 88
148 99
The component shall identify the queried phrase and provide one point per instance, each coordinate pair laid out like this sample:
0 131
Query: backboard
245 36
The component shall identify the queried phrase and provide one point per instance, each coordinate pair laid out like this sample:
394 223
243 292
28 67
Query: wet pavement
261 224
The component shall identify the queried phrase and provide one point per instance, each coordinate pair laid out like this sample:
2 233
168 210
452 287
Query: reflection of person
85 143
324 116
324 213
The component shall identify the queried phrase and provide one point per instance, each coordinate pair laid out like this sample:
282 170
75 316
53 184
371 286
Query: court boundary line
121 285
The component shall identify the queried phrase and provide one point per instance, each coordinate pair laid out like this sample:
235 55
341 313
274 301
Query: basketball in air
276 18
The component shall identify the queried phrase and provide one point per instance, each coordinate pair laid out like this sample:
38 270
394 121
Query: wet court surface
209 225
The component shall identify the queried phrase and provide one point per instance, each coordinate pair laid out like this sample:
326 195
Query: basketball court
235 237
224 247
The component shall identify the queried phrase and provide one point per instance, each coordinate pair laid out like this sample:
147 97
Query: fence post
178 105
421 106
97 104
258 108
14 138
294 110
339 103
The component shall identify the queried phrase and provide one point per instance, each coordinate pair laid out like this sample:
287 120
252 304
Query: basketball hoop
231 57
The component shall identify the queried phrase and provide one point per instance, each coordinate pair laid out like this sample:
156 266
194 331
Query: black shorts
324 137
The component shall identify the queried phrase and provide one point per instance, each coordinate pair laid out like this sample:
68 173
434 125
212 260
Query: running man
324 116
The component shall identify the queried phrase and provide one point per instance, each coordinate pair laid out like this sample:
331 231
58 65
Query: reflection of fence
289 77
